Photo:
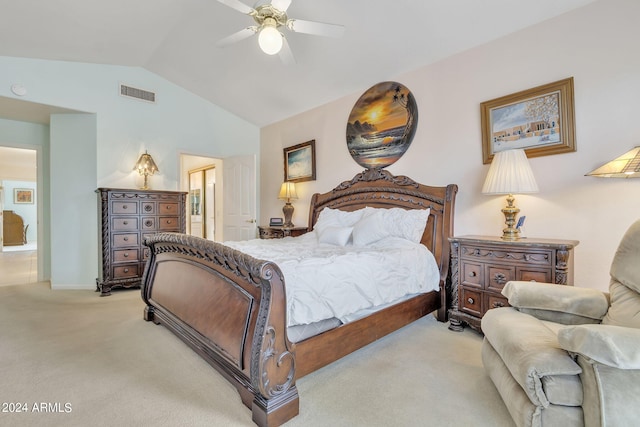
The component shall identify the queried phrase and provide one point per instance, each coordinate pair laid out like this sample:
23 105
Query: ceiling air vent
141 94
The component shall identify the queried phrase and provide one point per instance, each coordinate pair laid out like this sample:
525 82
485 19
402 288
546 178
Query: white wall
597 45
180 122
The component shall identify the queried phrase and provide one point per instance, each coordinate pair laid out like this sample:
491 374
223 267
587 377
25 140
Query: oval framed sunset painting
381 125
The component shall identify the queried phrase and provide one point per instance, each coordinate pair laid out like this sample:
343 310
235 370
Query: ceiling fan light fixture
270 39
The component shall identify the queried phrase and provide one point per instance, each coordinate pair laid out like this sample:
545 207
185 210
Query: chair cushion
533 355
557 303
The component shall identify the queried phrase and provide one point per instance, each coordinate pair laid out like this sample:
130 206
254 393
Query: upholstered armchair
568 356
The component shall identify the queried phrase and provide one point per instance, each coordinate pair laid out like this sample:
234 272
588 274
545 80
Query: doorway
202 202
18 216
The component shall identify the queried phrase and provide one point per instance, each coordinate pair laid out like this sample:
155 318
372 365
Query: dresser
482 265
278 232
126 217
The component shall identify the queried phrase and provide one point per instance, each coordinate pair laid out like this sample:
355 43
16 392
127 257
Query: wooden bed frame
230 307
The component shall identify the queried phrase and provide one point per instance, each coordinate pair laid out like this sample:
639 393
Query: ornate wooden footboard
231 308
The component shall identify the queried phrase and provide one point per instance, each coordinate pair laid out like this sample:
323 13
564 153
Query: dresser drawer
149 208
124 240
168 223
119 208
471 301
507 256
498 276
149 223
125 255
125 271
125 224
165 208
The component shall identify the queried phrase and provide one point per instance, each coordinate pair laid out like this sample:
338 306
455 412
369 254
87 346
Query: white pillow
335 235
336 218
397 222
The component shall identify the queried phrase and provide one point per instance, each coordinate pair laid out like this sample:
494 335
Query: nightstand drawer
534 275
494 301
472 274
498 276
471 301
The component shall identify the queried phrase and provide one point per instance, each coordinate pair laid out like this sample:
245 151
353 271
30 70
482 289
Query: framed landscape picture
539 120
23 195
300 162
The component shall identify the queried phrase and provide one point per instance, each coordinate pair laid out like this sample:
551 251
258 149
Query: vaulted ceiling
176 39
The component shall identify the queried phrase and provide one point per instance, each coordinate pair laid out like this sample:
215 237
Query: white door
239 192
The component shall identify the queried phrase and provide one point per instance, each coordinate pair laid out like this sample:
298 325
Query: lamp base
287 210
510 212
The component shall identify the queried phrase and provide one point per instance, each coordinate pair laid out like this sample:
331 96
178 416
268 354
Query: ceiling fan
270 16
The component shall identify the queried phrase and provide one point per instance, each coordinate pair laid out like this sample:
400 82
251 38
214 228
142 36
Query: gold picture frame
300 162
539 120
23 196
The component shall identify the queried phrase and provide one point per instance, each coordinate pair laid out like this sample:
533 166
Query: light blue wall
179 122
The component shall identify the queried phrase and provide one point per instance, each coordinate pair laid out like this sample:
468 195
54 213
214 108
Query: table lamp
145 167
287 192
510 174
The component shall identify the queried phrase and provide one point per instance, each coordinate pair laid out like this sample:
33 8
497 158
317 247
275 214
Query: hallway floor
18 266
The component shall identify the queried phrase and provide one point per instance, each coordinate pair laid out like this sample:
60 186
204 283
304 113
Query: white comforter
324 280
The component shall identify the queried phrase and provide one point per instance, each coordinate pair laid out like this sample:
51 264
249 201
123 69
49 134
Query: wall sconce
510 174
145 167
625 166
288 192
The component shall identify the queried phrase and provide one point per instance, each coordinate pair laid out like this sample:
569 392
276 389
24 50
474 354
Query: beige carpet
95 362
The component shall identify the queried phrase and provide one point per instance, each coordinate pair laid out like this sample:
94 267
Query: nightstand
482 265
278 232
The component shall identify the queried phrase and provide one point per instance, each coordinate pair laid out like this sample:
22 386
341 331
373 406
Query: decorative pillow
335 235
379 223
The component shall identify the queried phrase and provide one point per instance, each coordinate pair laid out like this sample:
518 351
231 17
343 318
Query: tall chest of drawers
482 265
126 217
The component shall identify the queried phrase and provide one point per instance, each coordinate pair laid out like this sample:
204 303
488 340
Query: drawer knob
125 207
500 278
168 207
148 223
126 239
147 208
472 274
126 254
126 222
497 304
168 221
126 270
470 300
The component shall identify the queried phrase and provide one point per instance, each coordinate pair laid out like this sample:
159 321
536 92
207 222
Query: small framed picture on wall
23 195
300 162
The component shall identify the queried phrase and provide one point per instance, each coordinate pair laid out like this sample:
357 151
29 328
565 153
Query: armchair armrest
557 303
614 346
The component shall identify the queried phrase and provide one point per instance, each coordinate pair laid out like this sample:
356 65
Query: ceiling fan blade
286 55
239 6
236 37
282 5
316 28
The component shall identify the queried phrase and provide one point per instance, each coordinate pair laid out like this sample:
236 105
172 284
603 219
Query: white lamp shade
288 191
510 173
